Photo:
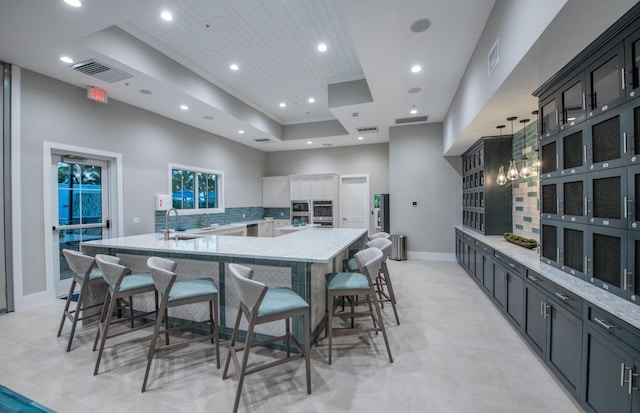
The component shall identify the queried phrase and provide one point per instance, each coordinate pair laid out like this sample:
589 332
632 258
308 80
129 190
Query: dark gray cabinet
486 206
508 287
611 360
553 328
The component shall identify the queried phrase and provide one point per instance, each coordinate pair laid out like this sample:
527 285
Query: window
196 189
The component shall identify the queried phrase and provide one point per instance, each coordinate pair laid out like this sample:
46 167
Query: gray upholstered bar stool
260 304
174 294
360 284
121 287
380 234
85 273
383 284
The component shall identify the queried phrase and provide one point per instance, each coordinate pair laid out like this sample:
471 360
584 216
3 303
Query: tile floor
454 352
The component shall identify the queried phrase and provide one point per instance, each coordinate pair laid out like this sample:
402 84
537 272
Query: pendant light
502 178
525 171
512 173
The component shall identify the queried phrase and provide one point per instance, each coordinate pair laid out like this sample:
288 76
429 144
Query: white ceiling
274 43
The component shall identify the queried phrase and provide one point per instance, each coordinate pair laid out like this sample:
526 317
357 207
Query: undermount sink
181 237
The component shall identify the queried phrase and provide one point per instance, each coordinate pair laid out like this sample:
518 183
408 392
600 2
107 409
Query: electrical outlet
136 220
242 215
281 214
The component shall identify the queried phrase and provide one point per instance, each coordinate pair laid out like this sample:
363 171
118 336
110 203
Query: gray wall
57 112
346 160
419 172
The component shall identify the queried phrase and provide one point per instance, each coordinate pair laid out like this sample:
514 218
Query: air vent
412 119
100 71
262 140
367 129
494 57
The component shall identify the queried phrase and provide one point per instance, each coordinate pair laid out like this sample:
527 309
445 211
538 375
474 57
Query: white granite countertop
312 245
298 228
619 307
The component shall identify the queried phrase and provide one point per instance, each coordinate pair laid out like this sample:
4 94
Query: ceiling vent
262 140
411 120
100 71
367 129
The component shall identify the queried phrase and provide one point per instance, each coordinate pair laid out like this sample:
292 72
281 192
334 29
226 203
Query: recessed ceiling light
184 107
240 131
420 25
360 138
66 59
283 105
414 90
234 67
208 117
145 91
311 100
166 16
416 68
413 111
322 47
309 142
354 114
73 3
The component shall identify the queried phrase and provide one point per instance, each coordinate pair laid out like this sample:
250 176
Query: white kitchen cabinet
276 192
301 188
278 224
265 229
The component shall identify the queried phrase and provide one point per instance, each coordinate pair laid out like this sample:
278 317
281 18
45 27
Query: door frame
115 194
369 200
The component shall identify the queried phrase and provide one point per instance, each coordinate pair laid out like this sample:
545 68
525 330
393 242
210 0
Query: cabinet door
572 102
300 189
280 193
329 187
488 275
605 365
535 325
549 116
605 82
317 190
515 298
500 285
565 341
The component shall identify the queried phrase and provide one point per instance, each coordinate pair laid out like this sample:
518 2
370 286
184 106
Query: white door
80 209
354 201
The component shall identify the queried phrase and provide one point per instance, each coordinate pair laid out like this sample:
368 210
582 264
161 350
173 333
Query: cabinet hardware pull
622 369
624 141
563 297
532 278
624 280
511 265
584 101
622 78
631 375
542 311
547 310
603 323
585 152
558 254
626 210
498 256
557 163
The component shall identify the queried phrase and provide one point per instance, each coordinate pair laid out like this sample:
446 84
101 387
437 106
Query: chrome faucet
165 231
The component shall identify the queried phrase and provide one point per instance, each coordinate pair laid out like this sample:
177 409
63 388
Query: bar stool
121 287
350 284
383 280
85 273
380 234
175 294
261 304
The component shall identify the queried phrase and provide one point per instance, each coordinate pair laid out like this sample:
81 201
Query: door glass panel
573 249
635 52
572 150
636 130
572 102
79 202
549 204
636 284
606 140
606 198
604 82
549 242
606 258
573 196
549 157
549 120
637 192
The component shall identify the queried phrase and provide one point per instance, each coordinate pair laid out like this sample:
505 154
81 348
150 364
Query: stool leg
103 316
381 327
232 343
392 295
66 306
152 351
76 313
243 369
307 347
105 332
330 324
216 330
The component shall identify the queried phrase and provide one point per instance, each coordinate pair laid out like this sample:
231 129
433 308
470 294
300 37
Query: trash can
398 247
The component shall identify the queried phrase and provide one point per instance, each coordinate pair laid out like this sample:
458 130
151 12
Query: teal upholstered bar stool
122 286
360 284
178 293
260 304
85 273
383 284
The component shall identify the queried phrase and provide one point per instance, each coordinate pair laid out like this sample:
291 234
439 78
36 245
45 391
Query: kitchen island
298 260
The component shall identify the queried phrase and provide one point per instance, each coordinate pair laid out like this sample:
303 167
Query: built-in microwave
300 212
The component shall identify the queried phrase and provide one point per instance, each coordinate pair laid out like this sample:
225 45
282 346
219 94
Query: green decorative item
521 241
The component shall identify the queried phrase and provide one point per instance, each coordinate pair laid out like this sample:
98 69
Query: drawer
608 323
564 297
512 265
484 248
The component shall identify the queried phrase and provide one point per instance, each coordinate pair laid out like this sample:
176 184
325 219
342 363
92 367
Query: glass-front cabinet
605 82
632 65
574 103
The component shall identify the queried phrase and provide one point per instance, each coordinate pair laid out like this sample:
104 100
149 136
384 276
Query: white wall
419 172
58 112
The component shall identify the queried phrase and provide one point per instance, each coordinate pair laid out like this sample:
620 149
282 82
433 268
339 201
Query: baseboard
431 256
33 300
